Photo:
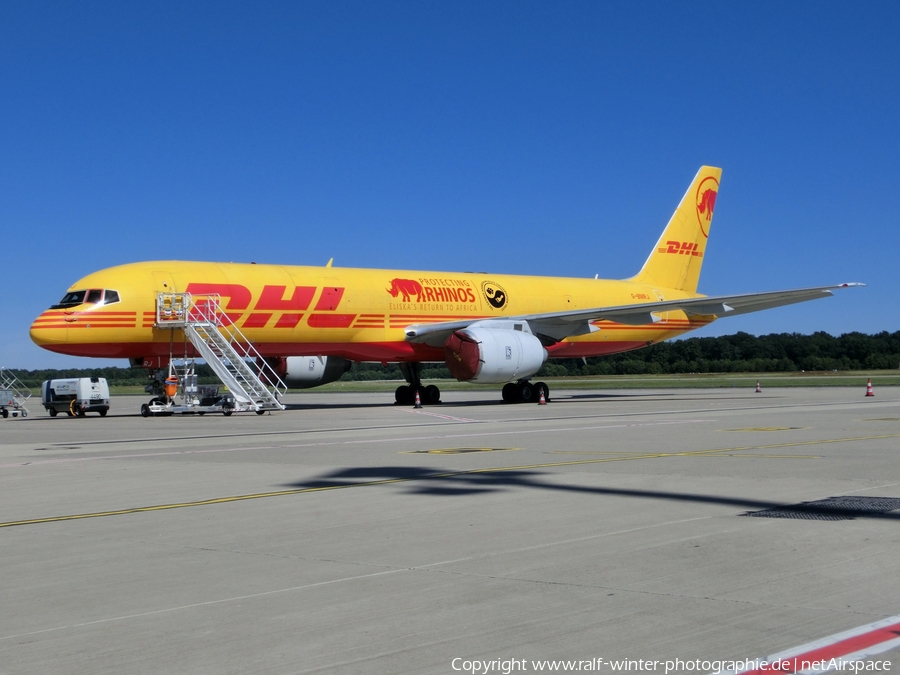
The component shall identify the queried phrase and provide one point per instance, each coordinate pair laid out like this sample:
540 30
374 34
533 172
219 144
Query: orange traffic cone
418 399
869 391
758 388
543 399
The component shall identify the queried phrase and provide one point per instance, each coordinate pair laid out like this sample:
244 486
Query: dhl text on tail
487 328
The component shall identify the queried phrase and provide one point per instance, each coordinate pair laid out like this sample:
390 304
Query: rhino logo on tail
406 287
706 202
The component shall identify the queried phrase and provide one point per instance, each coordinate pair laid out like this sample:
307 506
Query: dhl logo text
275 299
681 248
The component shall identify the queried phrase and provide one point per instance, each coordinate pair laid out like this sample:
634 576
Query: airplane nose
49 329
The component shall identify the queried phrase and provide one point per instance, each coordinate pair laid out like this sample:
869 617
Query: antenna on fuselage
328 264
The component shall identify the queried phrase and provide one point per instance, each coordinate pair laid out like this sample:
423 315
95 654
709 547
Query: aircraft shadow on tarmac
474 402
428 481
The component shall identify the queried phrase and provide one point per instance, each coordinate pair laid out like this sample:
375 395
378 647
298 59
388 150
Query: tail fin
676 260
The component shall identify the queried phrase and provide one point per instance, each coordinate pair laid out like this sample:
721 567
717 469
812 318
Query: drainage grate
833 508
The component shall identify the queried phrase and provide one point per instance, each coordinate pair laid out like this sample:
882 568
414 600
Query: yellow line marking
700 453
766 429
448 474
769 456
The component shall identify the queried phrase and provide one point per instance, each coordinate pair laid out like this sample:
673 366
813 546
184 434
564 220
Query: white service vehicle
76 396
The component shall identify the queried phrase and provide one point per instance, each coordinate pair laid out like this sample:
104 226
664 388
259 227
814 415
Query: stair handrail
9 381
180 308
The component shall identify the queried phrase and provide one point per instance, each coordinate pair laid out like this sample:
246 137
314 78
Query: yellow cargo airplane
487 328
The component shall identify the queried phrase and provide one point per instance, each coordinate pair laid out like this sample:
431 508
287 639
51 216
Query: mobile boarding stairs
13 395
252 384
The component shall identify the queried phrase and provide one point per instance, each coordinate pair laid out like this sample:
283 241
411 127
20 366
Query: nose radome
48 329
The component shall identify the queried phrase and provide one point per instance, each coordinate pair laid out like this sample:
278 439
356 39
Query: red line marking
791 661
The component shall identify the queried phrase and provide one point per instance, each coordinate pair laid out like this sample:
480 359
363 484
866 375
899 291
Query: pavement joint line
429 567
446 474
424 567
64 460
427 413
206 604
503 421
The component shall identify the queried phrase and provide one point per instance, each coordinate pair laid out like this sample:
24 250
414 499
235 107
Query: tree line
738 353
741 352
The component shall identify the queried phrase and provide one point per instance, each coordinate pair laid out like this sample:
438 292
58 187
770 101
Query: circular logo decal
494 294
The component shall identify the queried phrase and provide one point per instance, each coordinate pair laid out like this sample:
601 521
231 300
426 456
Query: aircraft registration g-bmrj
487 328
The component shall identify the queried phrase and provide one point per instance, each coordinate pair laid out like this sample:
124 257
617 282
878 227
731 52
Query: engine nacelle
305 372
492 355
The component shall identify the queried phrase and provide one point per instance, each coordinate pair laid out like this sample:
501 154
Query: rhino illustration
707 203
405 286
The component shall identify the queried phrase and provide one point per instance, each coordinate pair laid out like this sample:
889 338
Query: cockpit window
70 299
92 296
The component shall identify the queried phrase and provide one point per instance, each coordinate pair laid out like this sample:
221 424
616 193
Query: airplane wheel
145 410
404 395
432 395
525 392
53 412
541 386
509 392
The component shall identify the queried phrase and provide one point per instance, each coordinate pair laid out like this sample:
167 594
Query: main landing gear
524 391
406 393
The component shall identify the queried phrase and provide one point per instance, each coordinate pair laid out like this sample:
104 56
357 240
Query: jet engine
493 355
305 372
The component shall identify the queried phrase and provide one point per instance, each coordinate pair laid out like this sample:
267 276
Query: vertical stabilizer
678 255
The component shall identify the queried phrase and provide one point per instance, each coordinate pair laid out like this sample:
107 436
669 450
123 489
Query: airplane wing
556 326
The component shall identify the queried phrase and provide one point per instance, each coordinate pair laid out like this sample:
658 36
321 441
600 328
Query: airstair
13 395
253 384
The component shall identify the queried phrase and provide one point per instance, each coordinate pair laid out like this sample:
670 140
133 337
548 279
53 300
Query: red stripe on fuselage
362 351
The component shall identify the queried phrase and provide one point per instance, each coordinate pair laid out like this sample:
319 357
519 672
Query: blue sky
517 137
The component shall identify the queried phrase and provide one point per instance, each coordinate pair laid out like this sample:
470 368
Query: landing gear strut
406 393
525 392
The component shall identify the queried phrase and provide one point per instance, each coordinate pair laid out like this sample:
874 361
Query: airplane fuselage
357 314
